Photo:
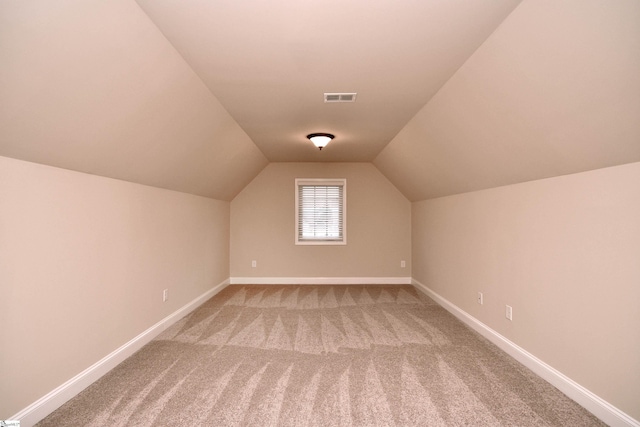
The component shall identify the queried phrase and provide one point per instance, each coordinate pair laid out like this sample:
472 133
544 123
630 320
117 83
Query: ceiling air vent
340 97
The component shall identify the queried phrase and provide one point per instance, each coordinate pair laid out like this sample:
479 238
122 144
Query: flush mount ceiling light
320 140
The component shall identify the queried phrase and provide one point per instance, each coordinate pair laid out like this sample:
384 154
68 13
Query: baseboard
594 404
59 396
320 280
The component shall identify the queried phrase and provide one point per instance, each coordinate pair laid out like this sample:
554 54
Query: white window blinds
320 211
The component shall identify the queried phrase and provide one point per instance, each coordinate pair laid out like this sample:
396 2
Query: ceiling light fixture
320 140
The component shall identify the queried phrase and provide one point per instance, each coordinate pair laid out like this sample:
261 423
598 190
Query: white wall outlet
403 264
254 263
509 313
480 298
165 295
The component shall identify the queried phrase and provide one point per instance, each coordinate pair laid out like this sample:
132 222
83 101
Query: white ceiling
199 95
555 90
93 86
269 63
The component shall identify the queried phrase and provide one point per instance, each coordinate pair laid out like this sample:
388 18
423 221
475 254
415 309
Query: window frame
299 182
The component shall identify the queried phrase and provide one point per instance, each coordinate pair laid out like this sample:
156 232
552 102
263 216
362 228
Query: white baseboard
320 280
594 404
59 396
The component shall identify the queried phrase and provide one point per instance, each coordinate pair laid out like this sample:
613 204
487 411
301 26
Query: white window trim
321 181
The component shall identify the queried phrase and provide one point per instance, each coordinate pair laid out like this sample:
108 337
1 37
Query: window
321 212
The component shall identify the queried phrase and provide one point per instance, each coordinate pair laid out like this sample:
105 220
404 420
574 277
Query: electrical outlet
480 298
254 263
403 264
509 313
165 295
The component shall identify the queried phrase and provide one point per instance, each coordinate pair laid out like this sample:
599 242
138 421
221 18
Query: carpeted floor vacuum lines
320 356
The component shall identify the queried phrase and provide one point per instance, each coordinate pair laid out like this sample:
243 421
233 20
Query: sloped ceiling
94 86
199 95
555 90
269 63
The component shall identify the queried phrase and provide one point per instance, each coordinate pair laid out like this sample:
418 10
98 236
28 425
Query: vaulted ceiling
199 95
269 63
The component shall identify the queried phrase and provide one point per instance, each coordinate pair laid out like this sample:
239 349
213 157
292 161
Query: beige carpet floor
320 356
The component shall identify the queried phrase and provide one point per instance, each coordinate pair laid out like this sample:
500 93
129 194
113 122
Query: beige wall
564 253
378 226
83 262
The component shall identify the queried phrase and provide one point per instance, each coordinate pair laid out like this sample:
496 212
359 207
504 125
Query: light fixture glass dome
320 140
